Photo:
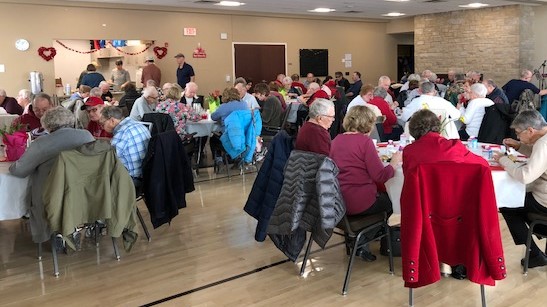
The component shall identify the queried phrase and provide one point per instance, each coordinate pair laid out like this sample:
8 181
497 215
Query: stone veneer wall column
497 42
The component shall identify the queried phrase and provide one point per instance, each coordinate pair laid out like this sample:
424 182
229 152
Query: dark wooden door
259 62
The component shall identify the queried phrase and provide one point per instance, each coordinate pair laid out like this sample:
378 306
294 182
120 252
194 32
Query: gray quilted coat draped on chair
310 200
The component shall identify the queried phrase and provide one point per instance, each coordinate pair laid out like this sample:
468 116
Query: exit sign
190 31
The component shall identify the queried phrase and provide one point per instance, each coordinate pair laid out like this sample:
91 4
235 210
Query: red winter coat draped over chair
449 215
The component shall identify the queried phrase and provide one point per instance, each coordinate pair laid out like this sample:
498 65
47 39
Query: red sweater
391 119
316 95
97 131
29 119
360 170
314 138
432 147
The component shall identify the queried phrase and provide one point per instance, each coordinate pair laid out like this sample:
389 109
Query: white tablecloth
14 193
509 192
7 119
202 128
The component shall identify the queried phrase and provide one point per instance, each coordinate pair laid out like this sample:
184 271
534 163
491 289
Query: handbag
395 234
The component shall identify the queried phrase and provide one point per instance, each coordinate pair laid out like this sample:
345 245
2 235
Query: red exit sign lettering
190 31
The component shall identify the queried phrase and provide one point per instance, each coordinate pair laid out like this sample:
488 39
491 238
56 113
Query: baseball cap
91 102
149 59
179 55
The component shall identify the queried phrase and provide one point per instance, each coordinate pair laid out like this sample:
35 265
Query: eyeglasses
330 116
92 110
517 133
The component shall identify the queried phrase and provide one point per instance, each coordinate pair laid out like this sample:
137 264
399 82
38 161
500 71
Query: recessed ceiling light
475 5
322 10
230 3
397 0
394 14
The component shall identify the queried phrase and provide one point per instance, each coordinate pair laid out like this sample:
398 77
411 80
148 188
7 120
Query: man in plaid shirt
130 140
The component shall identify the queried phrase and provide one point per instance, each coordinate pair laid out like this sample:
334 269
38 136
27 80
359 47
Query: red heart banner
47 53
160 52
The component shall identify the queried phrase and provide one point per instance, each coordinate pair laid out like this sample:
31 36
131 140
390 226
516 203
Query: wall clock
22 44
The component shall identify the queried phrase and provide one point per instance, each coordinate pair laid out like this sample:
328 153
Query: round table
14 193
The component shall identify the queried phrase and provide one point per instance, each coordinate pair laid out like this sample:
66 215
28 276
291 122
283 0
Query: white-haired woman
39 158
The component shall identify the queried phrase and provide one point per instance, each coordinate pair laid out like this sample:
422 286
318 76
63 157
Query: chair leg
139 215
390 248
116 251
527 251
226 164
54 253
96 234
410 297
350 264
483 296
40 251
306 255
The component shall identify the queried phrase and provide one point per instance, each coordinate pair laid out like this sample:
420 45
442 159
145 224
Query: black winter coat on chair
167 177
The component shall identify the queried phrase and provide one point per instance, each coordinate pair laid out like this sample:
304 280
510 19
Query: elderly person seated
425 127
178 111
93 106
128 99
360 167
270 106
231 101
130 138
190 96
106 95
289 90
476 108
314 135
366 94
531 129
314 92
24 100
39 158
241 85
40 104
145 104
9 104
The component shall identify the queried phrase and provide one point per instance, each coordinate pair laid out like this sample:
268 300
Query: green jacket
89 183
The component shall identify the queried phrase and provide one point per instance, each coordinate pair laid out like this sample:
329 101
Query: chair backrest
449 215
149 126
161 122
167 177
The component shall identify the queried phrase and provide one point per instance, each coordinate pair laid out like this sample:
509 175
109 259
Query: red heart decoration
160 52
47 53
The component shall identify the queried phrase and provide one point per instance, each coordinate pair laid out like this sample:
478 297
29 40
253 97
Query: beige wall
495 41
374 52
540 47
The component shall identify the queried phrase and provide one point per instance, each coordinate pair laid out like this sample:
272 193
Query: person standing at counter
92 78
151 72
120 77
185 71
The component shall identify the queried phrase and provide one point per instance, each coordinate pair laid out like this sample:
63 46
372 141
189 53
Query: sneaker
76 239
535 261
219 161
261 155
59 243
366 255
459 272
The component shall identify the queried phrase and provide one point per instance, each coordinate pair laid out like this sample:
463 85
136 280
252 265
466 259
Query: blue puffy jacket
240 132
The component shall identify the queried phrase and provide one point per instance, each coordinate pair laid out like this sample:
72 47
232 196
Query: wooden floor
208 257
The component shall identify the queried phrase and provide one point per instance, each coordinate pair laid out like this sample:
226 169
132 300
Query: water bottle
403 141
67 89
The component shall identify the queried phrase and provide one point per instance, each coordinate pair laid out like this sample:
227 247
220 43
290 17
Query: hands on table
396 159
